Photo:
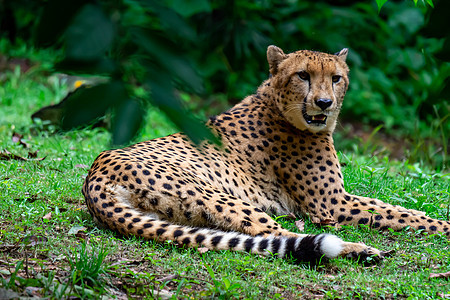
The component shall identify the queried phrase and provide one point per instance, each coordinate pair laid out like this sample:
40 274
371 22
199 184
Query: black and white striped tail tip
318 248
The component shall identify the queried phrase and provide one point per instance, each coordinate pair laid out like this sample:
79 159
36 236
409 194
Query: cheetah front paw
363 253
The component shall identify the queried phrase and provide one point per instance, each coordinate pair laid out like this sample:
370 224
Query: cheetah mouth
320 119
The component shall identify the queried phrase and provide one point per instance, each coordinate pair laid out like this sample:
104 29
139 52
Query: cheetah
276 157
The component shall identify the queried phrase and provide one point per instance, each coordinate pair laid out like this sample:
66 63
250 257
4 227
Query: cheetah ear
342 54
274 56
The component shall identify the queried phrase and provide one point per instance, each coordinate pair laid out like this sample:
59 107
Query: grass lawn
50 247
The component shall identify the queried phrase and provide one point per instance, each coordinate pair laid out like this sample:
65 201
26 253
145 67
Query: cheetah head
309 86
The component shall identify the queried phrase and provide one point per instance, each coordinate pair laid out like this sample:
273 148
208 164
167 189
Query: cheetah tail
127 221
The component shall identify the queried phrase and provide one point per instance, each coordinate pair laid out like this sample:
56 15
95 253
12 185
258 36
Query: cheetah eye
336 78
303 75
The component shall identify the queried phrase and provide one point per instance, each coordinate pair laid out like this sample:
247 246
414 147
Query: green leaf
163 96
102 66
88 104
54 20
164 53
90 35
128 119
404 17
430 2
173 24
210 271
189 8
380 4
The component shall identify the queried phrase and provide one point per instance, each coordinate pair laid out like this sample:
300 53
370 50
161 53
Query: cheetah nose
323 103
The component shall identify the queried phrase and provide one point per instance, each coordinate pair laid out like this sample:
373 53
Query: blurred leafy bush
153 50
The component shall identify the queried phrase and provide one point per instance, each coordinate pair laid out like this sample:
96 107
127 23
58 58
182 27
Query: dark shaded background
216 49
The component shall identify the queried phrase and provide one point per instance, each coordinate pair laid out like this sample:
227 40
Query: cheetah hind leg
230 213
267 233
263 225
301 248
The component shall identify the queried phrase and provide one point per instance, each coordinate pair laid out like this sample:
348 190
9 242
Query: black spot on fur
216 240
309 250
275 246
263 245
233 242
199 238
248 244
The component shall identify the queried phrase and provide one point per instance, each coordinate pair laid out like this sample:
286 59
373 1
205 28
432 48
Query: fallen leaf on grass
8 248
162 294
76 229
202 250
81 235
82 166
440 275
5 272
34 240
300 225
17 138
6 155
443 296
169 277
30 199
33 154
47 216
34 291
130 263
8 294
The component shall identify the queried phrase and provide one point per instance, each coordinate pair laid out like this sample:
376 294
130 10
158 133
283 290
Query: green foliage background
155 51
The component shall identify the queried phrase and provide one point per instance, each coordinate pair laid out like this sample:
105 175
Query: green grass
61 255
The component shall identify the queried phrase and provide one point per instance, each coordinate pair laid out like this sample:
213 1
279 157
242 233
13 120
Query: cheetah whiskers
294 107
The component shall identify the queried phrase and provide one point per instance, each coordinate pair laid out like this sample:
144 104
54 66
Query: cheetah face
309 86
